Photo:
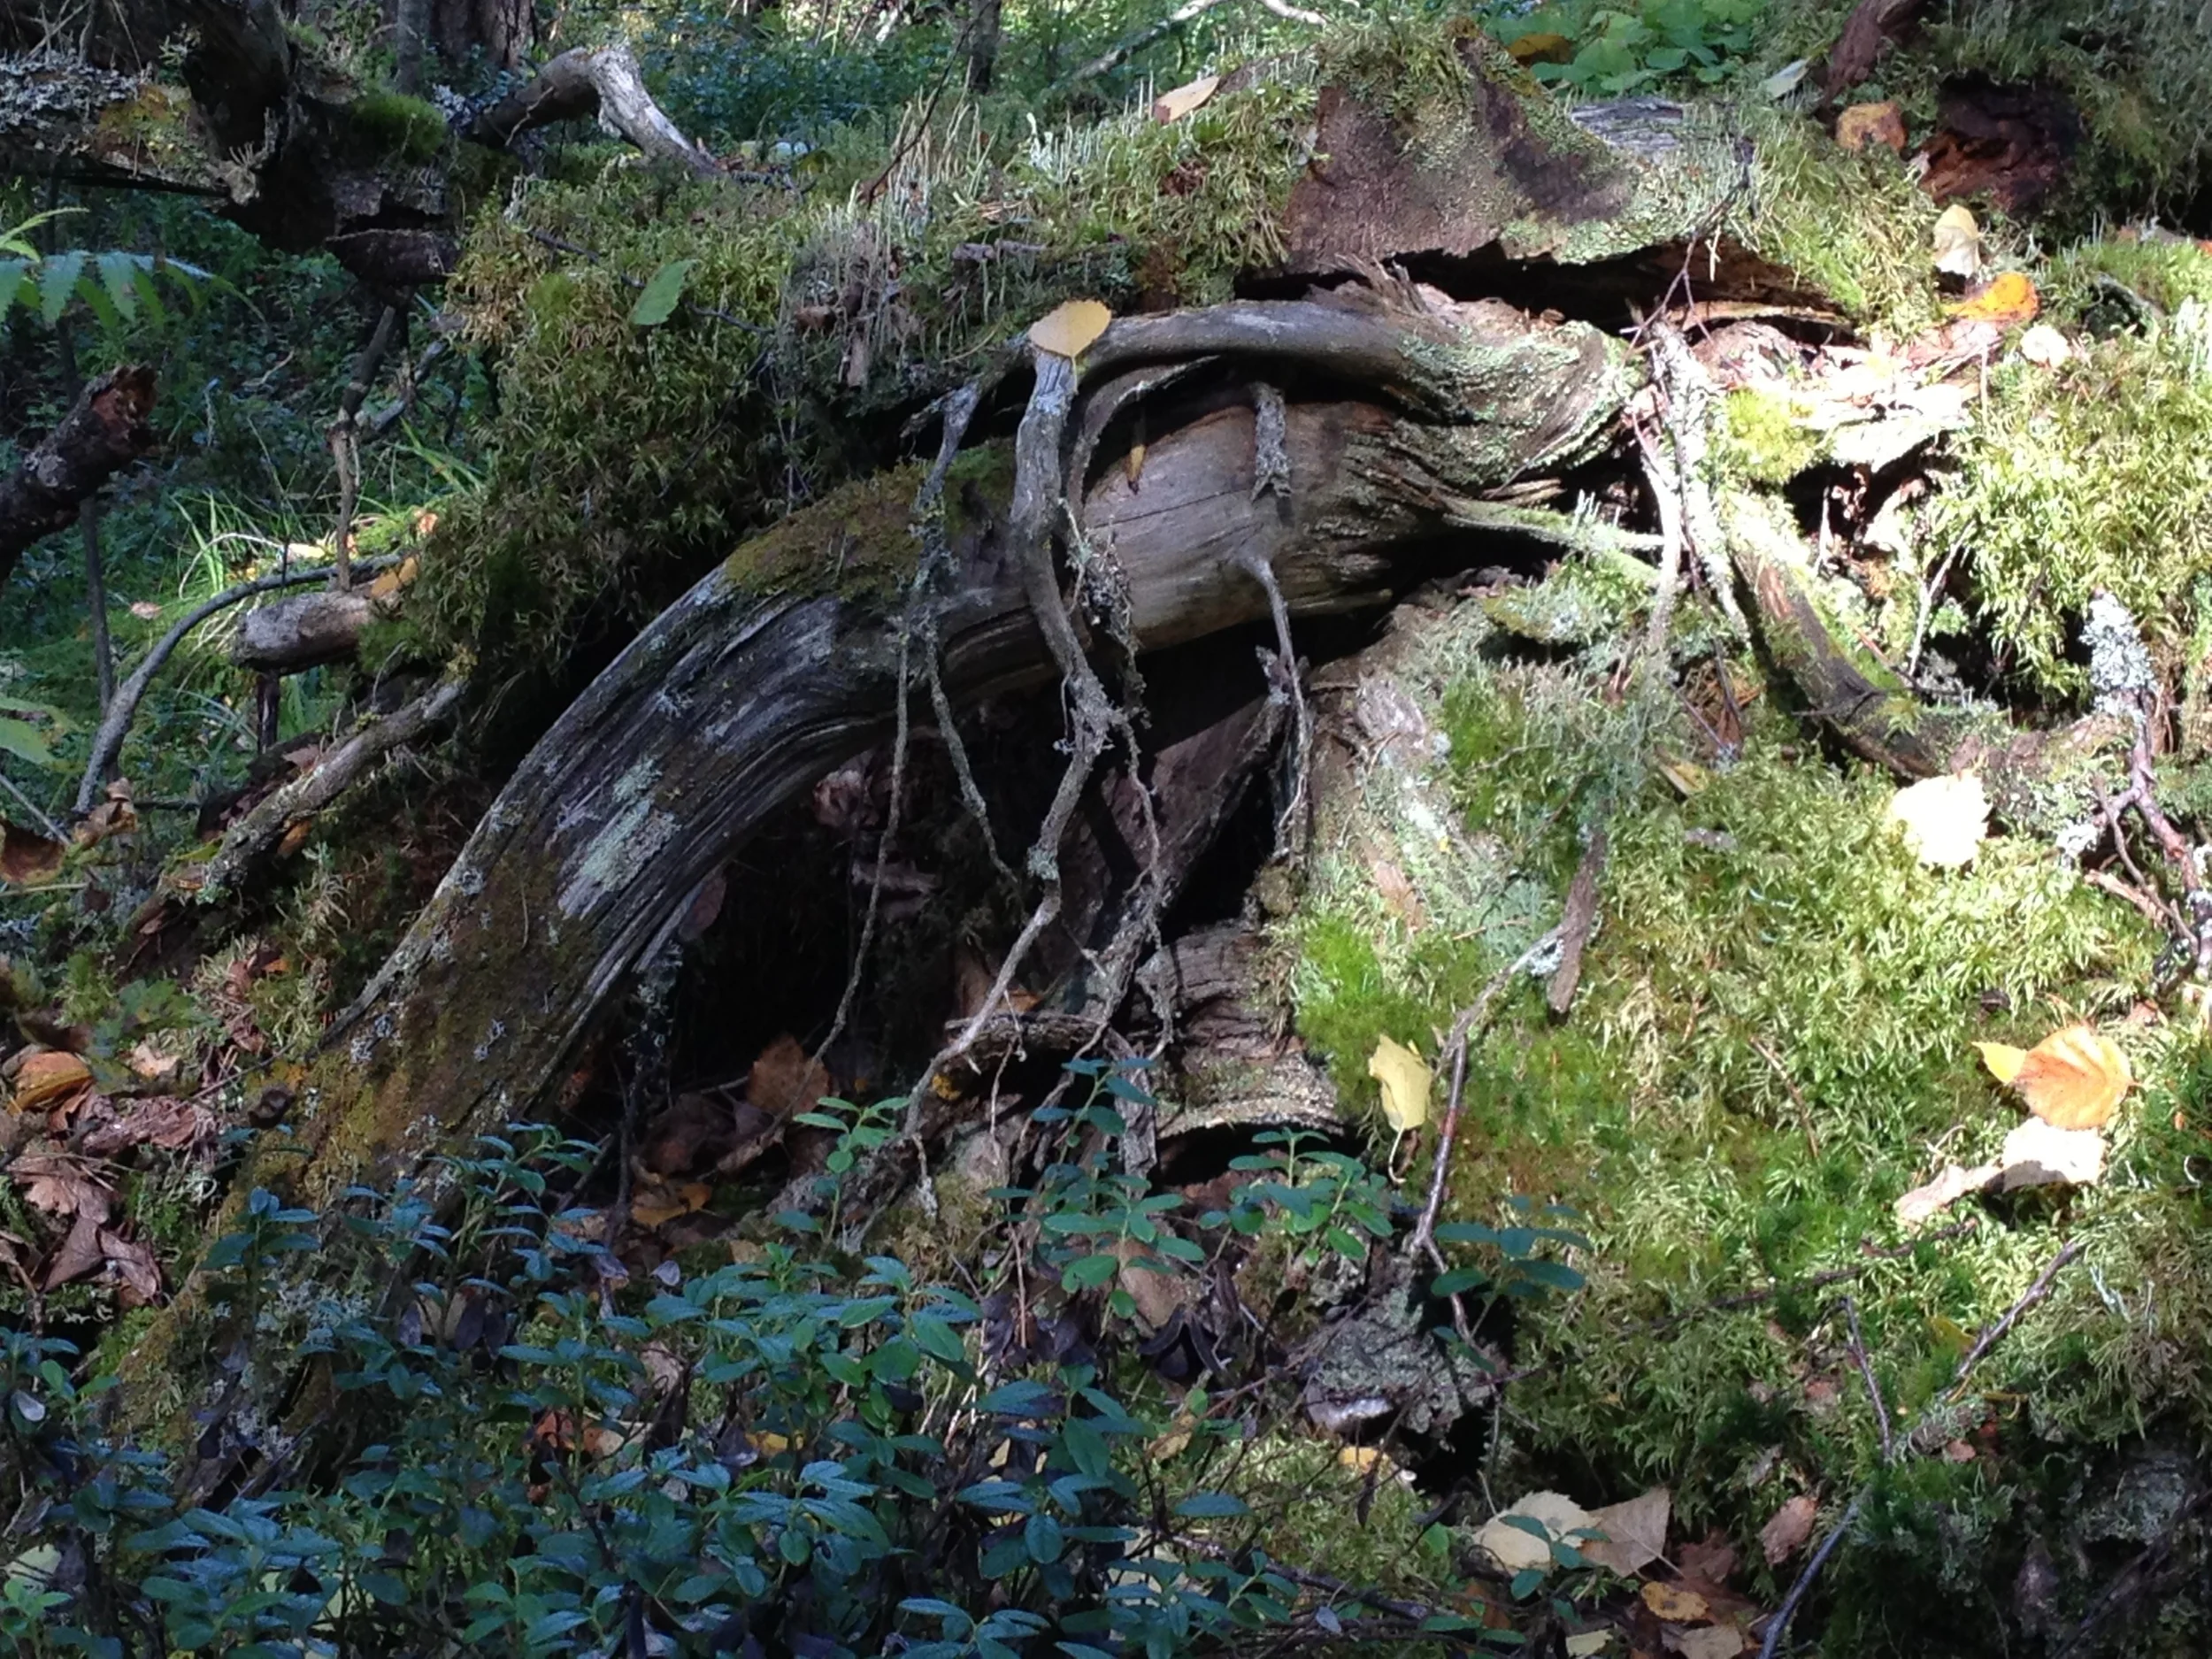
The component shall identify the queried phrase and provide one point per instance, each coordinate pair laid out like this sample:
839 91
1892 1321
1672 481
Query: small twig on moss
2029 1297
1779 1626
1472 1020
1873 1388
1988 1339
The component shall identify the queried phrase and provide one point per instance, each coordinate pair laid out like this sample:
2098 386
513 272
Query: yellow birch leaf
2003 1060
2074 1078
1067 329
1405 1079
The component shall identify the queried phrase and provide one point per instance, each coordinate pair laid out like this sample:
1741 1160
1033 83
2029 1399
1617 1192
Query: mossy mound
2096 477
1773 1042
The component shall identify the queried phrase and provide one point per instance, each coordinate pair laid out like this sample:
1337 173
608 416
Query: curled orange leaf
2072 1079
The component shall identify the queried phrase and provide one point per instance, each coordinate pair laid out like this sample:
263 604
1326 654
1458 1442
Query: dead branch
105 430
260 831
1470 1023
1129 45
345 447
107 742
304 631
586 81
1910 1445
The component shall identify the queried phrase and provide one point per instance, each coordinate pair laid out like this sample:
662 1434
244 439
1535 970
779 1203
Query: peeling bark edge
104 431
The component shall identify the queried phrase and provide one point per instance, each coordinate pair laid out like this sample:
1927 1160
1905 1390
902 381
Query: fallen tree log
784 662
105 430
303 632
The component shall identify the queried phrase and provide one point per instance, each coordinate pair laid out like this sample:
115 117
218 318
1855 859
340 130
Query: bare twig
1873 1388
345 446
1472 1021
1129 45
1779 1626
1988 1339
2029 1297
261 830
107 742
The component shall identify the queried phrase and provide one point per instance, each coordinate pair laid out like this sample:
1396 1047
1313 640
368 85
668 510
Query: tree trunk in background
501 30
411 23
982 43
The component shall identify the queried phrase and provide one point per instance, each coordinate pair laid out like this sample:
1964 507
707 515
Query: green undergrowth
814 321
1853 228
1771 1043
2096 476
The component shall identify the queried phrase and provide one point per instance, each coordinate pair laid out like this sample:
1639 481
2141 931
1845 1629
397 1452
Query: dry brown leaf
295 837
1712 1642
784 1080
1675 1604
2074 1078
158 1120
25 856
1397 892
80 1253
1173 107
1865 124
657 1201
145 610
1068 329
1785 1533
1714 1558
133 1267
1957 244
46 1078
150 1061
1406 1081
1635 1532
1133 465
1583 1643
2008 300
113 816
53 1183
1957 1452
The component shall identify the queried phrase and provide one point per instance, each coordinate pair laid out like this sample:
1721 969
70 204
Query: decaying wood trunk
105 430
784 663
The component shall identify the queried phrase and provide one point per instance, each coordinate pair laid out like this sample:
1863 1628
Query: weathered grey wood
302 632
736 698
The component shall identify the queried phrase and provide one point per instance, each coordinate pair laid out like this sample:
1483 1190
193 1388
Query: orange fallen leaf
2010 299
2073 1079
47 1077
25 856
1675 1604
1864 124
